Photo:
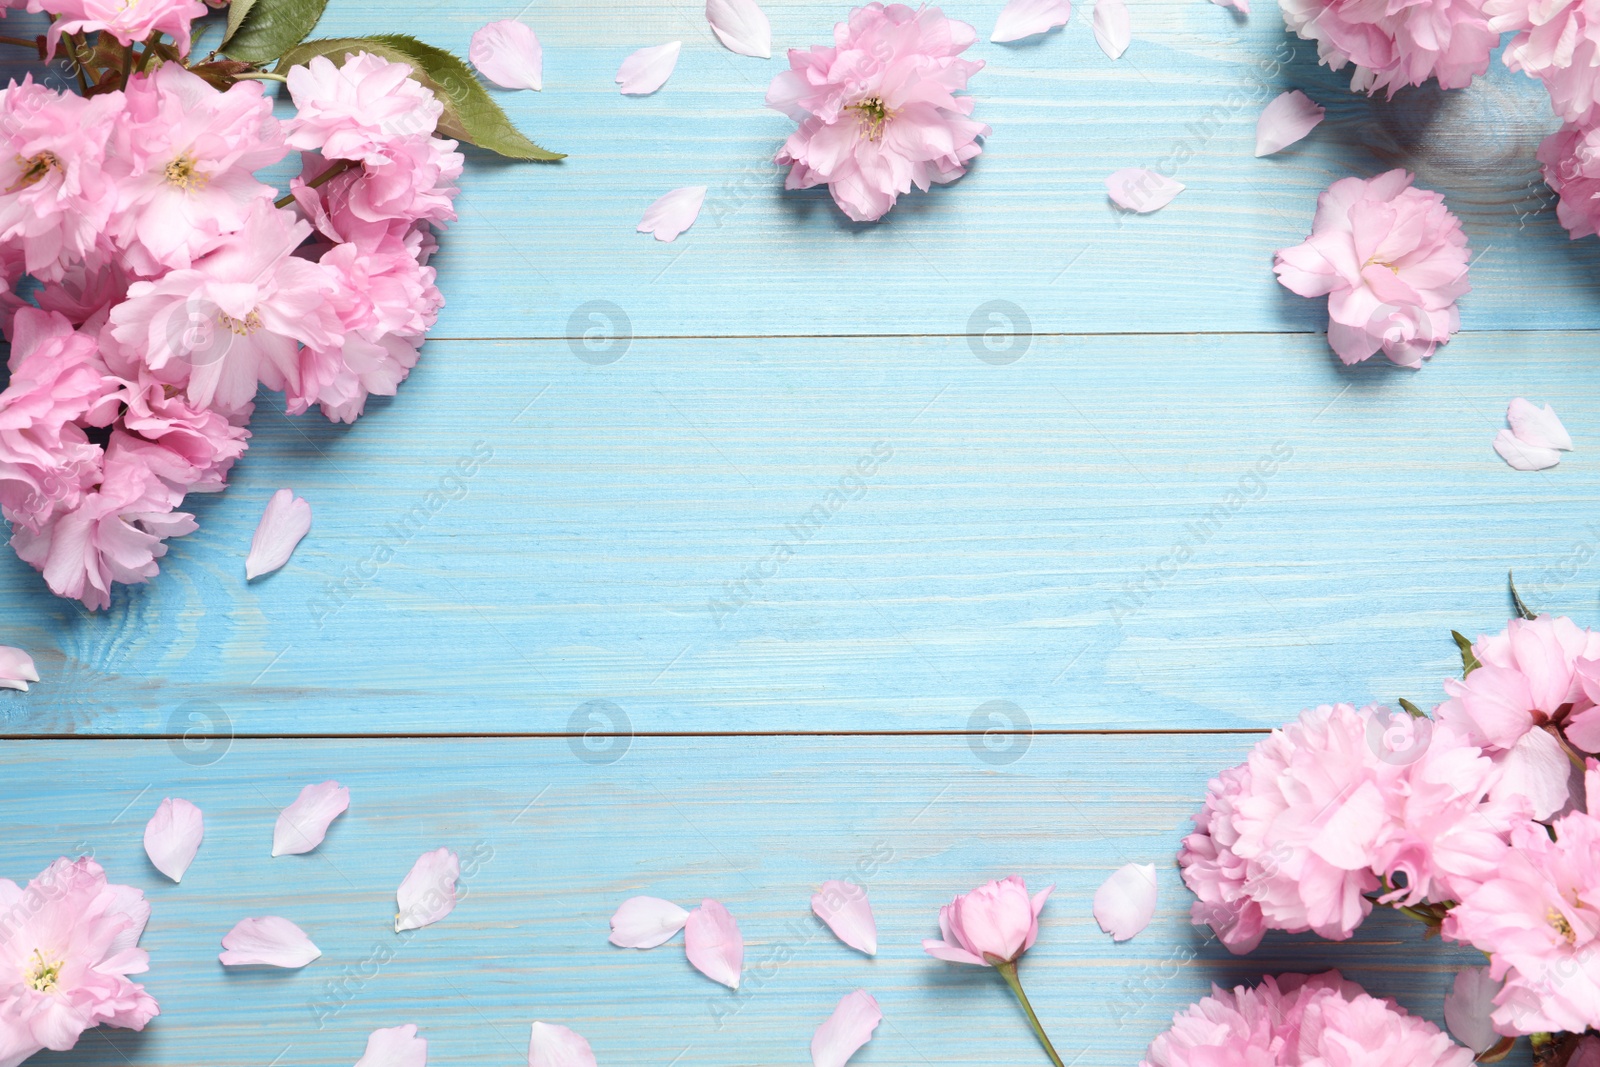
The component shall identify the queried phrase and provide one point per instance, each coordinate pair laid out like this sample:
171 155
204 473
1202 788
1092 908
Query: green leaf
1469 662
262 30
470 114
1522 609
1412 710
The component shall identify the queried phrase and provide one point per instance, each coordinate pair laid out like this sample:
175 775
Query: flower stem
338 167
1008 971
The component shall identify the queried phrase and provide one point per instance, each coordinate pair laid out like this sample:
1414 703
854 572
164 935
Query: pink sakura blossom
1297 1019
357 110
56 195
995 923
1393 46
192 153
1558 43
84 295
877 109
129 22
1392 261
1538 919
68 944
1570 160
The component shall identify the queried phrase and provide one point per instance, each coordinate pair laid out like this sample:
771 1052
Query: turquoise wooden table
664 639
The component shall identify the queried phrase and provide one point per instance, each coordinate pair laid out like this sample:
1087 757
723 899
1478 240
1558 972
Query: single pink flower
358 109
877 109
1570 160
69 942
1394 46
1392 261
129 21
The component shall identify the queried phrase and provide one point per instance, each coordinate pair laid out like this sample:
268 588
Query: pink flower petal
1142 190
742 26
398 1046
673 213
172 837
1125 902
1242 6
1024 18
508 54
1537 426
269 941
428 893
1111 29
556 1046
303 824
1289 117
648 69
847 911
846 1030
1523 456
713 944
1467 1008
645 922
16 669
286 520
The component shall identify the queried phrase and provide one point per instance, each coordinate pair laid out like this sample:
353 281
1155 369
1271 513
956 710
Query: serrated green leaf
1412 710
1469 662
1522 609
237 10
470 114
269 28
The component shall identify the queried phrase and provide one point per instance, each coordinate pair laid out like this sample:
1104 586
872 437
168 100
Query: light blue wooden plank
984 561
756 823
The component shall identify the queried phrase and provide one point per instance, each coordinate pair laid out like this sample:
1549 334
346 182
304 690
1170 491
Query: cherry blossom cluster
166 284
1483 821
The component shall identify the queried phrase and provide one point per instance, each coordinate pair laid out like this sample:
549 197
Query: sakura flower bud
995 923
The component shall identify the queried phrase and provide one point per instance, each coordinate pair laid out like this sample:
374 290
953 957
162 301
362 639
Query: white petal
1537 426
269 941
1024 18
172 836
303 824
648 69
673 213
1467 1008
508 54
398 1046
283 524
1289 117
1125 903
428 893
1536 767
645 922
1142 190
16 669
848 913
742 26
1111 28
847 1029
556 1046
1523 456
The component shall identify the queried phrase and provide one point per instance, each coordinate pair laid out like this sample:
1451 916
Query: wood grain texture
755 823
656 533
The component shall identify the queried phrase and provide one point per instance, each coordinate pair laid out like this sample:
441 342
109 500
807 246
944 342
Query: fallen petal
648 69
286 520
303 824
269 941
398 1046
673 213
16 669
1467 1008
713 944
848 913
1125 902
1111 29
428 893
1523 456
556 1046
1537 426
172 836
742 26
1242 6
1142 190
846 1030
1289 117
1024 18
645 922
508 54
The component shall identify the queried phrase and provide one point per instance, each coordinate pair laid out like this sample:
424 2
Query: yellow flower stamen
43 976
